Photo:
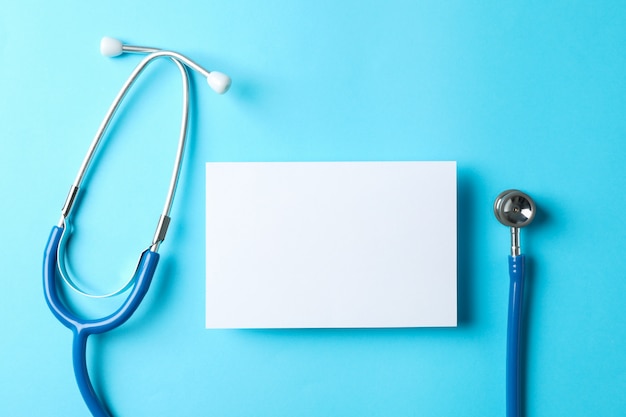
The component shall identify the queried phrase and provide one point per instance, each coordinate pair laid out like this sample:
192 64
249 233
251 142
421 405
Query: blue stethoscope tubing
514 337
82 328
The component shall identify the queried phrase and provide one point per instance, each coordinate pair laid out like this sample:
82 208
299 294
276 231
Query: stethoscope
514 209
54 255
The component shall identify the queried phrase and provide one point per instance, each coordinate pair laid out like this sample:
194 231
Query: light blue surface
526 95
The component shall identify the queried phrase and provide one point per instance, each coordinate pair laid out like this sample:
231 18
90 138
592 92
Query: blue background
523 95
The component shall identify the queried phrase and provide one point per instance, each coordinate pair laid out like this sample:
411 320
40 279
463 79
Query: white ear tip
110 47
219 82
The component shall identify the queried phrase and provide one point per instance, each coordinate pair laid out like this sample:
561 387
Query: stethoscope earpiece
111 47
513 208
218 81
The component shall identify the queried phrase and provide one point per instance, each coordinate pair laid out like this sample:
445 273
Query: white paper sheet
331 244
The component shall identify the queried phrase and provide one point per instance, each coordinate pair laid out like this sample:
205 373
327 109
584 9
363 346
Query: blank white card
331 244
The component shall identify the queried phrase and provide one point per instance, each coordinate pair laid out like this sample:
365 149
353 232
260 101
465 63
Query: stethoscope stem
515 242
514 337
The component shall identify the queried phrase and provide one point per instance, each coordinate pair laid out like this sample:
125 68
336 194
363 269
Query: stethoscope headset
54 255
